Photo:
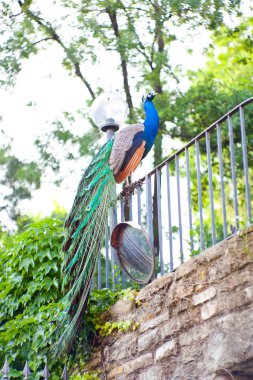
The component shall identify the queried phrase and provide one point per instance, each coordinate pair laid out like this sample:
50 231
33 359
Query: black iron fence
45 374
195 198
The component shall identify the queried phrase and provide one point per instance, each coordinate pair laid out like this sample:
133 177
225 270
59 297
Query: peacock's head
149 97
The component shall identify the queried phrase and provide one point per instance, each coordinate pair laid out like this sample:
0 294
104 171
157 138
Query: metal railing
195 198
6 372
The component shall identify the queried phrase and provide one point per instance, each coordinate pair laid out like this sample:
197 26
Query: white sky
44 82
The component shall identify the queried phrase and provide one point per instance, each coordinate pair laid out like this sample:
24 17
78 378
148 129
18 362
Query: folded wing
127 151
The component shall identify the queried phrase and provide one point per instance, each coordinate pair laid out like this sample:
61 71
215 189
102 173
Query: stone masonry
194 324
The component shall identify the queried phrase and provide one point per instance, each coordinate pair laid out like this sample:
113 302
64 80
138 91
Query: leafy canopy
225 81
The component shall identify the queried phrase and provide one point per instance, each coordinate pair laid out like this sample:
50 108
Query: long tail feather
85 228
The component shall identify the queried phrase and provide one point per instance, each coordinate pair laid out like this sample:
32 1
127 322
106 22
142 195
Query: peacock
86 222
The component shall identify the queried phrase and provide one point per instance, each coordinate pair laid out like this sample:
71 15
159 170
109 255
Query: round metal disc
134 251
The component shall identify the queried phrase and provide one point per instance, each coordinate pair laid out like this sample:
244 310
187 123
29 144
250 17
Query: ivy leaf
25 263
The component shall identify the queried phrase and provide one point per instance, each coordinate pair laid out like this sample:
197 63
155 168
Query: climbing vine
30 301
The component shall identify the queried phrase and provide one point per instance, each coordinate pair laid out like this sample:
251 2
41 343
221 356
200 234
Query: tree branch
54 36
115 27
43 39
3 208
141 49
174 77
16 15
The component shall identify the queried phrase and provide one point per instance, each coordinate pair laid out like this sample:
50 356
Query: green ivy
91 375
30 288
30 302
99 302
109 328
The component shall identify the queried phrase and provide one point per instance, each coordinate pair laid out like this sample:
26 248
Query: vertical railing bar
107 263
245 162
169 215
113 251
130 200
26 371
233 172
210 182
223 199
202 241
188 176
139 204
122 219
179 209
65 375
5 370
99 271
122 215
123 278
92 285
46 373
159 212
149 209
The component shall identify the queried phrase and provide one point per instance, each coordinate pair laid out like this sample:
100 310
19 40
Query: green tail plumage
85 227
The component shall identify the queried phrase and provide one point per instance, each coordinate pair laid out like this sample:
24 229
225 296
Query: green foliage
144 53
99 302
31 300
91 375
17 180
30 288
225 81
61 143
109 328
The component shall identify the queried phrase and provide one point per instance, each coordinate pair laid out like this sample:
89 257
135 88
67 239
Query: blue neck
151 125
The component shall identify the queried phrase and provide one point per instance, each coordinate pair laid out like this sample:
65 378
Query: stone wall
194 324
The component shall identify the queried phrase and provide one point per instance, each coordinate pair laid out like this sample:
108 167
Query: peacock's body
87 219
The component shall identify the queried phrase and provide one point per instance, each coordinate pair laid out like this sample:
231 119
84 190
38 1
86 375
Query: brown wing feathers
131 166
127 151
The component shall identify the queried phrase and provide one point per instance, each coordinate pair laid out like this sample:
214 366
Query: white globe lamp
108 112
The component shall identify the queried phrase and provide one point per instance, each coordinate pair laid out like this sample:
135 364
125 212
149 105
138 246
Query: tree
17 181
113 25
140 34
225 81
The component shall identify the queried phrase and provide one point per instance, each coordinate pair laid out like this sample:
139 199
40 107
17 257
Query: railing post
5 370
179 210
233 172
26 371
122 219
113 223
169 215
223 199
46 373
188 176
65 375
159 209
99 271
149 209
210 182
139 204
245 163
107 259
202 240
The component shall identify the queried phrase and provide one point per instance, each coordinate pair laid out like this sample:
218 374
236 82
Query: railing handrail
129 188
